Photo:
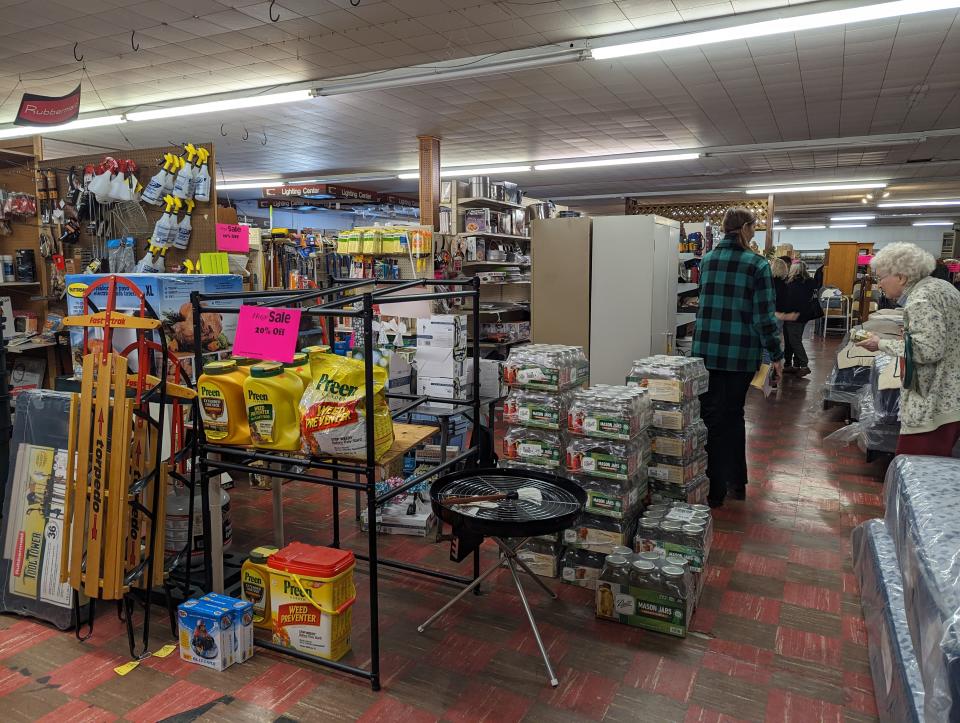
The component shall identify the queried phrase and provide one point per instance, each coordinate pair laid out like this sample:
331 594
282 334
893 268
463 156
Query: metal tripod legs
512 561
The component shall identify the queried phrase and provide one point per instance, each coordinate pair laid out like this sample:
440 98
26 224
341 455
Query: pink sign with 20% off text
267 333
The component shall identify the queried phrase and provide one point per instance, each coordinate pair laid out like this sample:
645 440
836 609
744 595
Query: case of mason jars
609 412
677 470
675 416
599 533
676 528
612 498
581 567
693 492
684 443
541 556
644 594
607 458
543 410
540 447
670 378
546 367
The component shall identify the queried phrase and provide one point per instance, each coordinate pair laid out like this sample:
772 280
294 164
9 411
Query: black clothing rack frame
328 303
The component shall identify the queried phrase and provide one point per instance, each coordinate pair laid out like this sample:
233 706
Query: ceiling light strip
454 172
629 161
933 223
23 131
840 186
797 23
919 204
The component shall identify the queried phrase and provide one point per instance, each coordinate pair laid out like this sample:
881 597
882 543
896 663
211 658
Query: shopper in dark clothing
735 323
798 291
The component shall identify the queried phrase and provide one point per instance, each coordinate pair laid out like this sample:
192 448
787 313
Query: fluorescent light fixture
918 204
241 185
452 172
855 217
23 131
599 162
778 26
823 187
933 223
779 228
251 101
847 225
805 228
776 220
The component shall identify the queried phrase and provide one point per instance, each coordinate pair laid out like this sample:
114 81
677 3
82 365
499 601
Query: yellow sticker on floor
126 667
165 651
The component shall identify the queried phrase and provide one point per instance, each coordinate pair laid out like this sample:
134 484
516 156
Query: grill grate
557 502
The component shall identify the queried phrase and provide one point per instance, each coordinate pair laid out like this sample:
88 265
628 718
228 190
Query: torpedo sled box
169 296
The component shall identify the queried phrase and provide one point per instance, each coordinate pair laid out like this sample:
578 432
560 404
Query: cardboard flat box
440 361
449 330
455 388
491 378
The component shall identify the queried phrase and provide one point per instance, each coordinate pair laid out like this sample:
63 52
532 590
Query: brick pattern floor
778 636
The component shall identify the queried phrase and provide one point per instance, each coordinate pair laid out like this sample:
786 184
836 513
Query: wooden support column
768 239
429 181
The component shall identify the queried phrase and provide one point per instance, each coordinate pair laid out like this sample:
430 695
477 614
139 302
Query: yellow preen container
244 364
255 584
224 413
300 366
311 599
315 355
272 398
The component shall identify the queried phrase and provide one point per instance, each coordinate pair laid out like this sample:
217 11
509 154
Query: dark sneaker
803 371
714 503
737 494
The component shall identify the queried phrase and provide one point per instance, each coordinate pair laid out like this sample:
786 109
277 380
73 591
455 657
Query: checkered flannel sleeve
764 305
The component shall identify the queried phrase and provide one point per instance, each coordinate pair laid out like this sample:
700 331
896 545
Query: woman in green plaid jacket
735 324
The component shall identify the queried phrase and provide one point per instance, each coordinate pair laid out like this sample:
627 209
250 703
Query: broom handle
478 498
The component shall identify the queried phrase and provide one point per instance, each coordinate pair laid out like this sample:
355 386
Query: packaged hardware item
491 377
536 409
456 389
683 443
677 470
533 446
546 367
669 415
607 458
334 409
609 412
222 406
612 498
600 533
241 622
272 395
439 361
206 634
580 566
670 378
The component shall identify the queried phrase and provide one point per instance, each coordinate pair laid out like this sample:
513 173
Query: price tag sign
267 333
233 238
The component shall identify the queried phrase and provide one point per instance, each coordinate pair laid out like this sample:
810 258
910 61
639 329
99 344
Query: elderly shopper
735 326
930 348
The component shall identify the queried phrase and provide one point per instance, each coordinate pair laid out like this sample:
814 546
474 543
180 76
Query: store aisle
779 631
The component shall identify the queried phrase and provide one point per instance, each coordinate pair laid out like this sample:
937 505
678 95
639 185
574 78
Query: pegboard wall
149 160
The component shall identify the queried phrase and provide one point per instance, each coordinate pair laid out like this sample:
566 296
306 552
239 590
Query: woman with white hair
930 348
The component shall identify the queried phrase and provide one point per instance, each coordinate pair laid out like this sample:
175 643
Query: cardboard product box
241 612
491 377
612 498
205 634
445 388
6 309
667 415
650 609
600 534
446 330
677 470
694 492
477 220
399 370
581 567
169 296
439 361
393 521
542 557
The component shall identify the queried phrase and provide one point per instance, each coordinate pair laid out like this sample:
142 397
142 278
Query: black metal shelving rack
6 421
317 302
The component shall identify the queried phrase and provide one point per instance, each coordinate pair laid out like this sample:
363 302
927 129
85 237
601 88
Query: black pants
794 355
722 410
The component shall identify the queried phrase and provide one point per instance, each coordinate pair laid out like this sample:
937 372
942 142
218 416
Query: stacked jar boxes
678 436
541 380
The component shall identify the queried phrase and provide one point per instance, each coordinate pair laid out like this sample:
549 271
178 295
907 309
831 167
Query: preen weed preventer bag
332 410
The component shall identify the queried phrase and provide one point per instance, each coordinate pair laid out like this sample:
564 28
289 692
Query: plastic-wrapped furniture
886 402
923 519
897 684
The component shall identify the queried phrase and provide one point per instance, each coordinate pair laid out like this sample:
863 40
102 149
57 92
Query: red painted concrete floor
779 633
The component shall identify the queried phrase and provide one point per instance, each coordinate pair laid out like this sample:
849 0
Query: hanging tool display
113 525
